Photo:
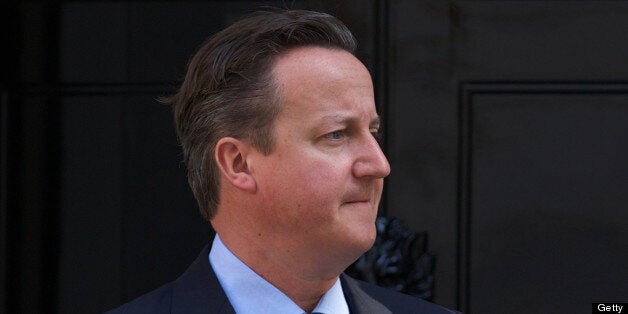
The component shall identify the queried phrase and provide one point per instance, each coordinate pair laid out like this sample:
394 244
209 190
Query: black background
506 125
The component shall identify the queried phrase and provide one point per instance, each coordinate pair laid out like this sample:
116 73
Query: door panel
518 108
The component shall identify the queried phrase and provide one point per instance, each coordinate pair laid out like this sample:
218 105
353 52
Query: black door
506 125
508 132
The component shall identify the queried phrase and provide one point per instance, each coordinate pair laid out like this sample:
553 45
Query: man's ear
231 156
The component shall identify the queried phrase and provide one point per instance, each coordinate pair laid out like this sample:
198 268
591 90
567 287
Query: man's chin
365 241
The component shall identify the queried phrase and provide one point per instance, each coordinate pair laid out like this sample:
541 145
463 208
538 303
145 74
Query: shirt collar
250 293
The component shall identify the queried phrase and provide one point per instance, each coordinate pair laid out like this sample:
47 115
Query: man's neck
303 286
306 294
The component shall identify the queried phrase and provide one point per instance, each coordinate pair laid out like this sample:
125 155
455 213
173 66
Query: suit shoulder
157 301
398 302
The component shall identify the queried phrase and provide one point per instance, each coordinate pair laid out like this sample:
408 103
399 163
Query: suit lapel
359 301
198 290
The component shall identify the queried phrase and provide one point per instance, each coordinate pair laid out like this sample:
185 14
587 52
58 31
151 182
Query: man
277 121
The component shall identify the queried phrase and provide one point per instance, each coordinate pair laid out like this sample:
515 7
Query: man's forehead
317 60
328 85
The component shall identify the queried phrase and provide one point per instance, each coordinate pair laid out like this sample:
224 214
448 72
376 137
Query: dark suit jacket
198 291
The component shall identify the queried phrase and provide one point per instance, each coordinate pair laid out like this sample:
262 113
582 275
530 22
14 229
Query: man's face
321 185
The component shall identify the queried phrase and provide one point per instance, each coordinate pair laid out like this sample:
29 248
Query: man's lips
359 196
360 200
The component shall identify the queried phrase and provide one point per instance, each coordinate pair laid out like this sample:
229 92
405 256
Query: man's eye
336 135
376 134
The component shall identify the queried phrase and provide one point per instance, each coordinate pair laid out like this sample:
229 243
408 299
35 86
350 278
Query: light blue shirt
251 294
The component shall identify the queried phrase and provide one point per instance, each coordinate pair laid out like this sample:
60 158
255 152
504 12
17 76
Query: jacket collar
359 301
198 290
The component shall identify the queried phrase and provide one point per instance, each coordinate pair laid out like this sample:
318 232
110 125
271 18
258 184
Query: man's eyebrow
349 119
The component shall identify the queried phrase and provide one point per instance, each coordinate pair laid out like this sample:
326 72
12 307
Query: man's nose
371 161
